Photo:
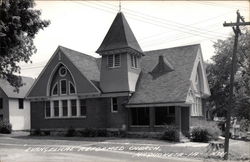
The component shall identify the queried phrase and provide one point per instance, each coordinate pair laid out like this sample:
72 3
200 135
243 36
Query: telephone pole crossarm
236 24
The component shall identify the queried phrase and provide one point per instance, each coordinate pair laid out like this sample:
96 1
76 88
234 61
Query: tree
219 77
19 23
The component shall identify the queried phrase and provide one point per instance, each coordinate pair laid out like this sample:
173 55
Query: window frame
20 103
65 87
112 105
62 75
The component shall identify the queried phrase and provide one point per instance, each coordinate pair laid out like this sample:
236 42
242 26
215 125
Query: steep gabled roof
169 87
119 36
86 64
23 90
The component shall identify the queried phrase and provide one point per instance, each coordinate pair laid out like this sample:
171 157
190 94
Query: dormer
121 57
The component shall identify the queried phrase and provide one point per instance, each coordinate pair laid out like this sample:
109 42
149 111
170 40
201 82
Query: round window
63 71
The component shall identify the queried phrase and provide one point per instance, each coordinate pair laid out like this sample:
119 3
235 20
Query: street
23 148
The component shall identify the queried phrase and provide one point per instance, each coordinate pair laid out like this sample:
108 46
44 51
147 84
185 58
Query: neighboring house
125 88
14 108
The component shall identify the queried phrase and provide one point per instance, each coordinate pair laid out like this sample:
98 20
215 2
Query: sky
82 25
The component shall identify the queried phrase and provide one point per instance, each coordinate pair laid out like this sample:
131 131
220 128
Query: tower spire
120 6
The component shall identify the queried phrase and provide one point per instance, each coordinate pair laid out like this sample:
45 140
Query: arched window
62 82
55 89
72 89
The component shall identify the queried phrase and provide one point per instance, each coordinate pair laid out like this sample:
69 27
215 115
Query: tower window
134 61
114 60
117 60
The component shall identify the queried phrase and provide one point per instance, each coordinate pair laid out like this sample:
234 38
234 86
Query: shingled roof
169 87
119 36
88 65
23 90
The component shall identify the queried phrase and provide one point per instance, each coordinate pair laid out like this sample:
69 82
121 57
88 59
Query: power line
169 22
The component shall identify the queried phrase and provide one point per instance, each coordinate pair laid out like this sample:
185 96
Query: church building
125 88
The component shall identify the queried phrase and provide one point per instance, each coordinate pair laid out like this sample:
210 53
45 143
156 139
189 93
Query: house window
140 116
64 107
63 86
114 105
83 108
73 108
1 117
134 61
55 90
114 60
56 108
1 103
164 115
71 88
47 109
20 103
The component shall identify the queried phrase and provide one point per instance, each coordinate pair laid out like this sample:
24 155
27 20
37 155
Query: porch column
151 118
178 117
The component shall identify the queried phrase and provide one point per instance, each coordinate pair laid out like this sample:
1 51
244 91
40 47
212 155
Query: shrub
36 132
102 133
71 132
199 134
171 133
211 128
5 127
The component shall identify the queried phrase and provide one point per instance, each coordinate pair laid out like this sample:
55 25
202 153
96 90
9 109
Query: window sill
140 126
67 117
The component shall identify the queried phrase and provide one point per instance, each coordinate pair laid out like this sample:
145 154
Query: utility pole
236 28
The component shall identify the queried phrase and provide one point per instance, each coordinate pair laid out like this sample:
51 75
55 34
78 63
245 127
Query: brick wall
99 115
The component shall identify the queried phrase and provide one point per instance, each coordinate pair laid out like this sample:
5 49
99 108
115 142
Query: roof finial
120 6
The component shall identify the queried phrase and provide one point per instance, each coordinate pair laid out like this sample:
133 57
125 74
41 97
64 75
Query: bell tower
121 57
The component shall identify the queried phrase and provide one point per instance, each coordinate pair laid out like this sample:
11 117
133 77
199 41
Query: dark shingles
169 87
86 64
23 90
119 36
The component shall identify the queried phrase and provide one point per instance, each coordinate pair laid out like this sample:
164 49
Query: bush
36 132
171 133
211 127
199 134
5 127
71 132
